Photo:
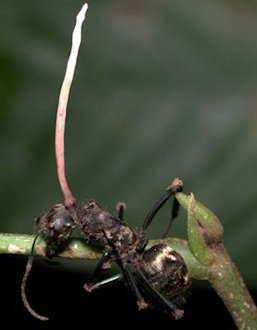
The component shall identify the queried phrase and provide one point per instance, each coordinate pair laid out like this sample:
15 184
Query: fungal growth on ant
157 276
56 226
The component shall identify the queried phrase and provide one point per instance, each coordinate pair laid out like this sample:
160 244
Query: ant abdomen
167 272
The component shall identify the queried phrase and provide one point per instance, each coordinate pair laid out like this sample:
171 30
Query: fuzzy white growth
62 107
166 253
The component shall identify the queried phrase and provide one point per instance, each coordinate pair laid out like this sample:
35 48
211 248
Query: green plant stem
21 244
78 249
222 274
228 283
205 234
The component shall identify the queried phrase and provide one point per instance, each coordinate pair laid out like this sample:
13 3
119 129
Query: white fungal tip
82 12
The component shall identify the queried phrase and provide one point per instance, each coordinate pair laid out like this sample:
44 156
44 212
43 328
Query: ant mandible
156 276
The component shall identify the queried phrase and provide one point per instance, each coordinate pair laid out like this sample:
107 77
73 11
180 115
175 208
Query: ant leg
24 282
103 264
132 283
106 282
176 186
120 209
177 313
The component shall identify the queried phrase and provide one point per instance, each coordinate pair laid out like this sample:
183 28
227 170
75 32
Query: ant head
55 227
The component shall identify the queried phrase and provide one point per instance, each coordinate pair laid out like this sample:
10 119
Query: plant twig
205 235
69 200
78 249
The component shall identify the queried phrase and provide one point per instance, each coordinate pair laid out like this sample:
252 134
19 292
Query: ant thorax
101 228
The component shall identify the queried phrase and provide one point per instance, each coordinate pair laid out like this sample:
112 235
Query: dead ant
160 270
157 276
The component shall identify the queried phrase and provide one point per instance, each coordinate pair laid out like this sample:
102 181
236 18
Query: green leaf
203 228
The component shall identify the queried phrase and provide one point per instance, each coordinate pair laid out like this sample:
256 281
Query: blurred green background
163 89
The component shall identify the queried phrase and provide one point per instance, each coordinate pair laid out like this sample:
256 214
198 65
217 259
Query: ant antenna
174 214
176 186
69 199
24 282
171 190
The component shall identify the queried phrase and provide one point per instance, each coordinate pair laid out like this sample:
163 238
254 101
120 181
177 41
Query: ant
157 276
160 270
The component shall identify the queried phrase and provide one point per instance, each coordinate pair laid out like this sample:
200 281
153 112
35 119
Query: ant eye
58 224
